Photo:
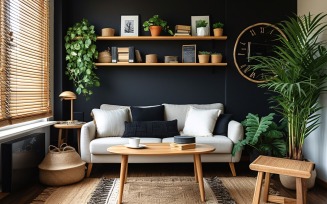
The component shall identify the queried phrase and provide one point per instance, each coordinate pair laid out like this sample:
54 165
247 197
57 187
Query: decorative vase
107 32
155 30
289 182
203 58
151 58
218 32
202 31
216 58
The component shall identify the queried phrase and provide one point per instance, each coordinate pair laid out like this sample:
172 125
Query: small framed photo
194 19
129 25
189 53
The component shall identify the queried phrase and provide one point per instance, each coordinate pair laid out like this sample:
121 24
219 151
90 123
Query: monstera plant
80 54
263 135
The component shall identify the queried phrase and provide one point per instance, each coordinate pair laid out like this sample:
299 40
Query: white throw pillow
200 122
110 122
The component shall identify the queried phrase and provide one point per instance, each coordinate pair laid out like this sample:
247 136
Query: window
24 61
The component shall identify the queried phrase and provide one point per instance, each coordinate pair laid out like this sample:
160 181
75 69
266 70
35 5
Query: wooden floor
317 195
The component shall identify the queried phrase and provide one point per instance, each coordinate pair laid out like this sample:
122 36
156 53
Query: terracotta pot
216 58
155 30
218 32
203 58
290 183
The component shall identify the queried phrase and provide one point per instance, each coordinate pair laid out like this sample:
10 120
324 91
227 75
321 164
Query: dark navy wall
157 85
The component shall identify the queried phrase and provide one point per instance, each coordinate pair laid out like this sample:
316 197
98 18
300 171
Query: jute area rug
152 190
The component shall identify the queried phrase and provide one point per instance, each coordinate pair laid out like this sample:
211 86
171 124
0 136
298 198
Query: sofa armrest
235 133
88 133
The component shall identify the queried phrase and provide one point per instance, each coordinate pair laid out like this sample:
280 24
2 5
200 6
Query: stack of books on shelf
122 54
182 30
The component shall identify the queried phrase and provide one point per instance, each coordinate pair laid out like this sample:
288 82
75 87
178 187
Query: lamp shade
67 95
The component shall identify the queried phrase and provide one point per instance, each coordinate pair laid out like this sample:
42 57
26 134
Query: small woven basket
61 166
104 57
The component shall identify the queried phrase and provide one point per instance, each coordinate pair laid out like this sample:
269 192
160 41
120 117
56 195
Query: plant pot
203 58
202 31
151 58
107 32
155 30
216 58
289 182
218 32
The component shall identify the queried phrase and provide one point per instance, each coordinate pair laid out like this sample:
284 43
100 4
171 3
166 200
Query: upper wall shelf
162 38
163 64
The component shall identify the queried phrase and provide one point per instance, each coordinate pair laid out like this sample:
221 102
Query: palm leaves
262 134
297 76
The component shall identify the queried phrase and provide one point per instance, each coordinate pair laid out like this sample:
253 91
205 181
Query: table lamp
68 95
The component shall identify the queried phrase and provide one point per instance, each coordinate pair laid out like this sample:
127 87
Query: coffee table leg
199 175
257 190
195 173
266 187
299 190
123 168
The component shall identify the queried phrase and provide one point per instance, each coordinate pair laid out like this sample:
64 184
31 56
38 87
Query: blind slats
24 70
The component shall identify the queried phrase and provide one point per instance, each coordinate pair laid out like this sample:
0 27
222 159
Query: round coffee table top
159 149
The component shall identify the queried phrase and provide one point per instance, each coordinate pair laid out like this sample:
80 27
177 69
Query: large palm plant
296 76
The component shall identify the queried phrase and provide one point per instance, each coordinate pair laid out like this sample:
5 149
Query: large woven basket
61 166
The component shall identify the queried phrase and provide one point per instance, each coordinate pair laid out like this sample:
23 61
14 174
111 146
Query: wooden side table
67 127
301 170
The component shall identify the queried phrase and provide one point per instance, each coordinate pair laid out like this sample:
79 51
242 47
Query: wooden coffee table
161 149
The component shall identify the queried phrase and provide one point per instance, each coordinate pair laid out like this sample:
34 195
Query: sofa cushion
156 129
200 122
115 107
110 122
154 113
100 145
179 111
222 143
221 126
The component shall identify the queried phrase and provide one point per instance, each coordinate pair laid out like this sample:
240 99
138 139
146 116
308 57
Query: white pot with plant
296 76
218 29
201 28
155 24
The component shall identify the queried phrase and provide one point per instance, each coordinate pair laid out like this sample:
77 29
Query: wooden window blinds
24 61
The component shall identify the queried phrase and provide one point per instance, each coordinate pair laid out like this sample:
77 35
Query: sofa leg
89 169
232 168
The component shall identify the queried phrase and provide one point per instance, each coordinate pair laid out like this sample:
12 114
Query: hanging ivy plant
80 55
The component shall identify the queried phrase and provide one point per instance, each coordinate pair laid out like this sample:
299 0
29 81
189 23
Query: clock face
255 40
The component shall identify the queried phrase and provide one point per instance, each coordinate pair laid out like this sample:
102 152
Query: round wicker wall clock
255 40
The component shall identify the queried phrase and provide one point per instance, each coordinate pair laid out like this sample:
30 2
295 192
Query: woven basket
61 166
104 57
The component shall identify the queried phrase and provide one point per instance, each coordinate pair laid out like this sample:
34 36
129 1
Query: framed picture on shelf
129 25
194 20
189 53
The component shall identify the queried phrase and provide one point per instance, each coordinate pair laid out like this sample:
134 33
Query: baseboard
321 183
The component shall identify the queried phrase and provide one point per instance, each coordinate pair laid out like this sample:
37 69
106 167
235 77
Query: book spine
182 27
114 54
122 49
131 54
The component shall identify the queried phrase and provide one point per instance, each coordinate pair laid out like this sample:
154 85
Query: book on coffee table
182 146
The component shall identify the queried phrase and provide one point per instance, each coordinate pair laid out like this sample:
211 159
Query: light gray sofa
94 149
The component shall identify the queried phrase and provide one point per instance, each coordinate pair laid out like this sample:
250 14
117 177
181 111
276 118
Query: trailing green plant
80 54
264 135
157 21
204 53
296 76
217 25
201 23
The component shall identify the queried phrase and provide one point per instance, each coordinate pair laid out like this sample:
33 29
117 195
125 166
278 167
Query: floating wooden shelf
162 64
162 38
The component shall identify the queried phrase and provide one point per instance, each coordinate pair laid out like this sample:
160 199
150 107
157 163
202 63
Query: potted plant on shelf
201 28
296 76
216 57
263 136
203 56
218 29
155 24
80 55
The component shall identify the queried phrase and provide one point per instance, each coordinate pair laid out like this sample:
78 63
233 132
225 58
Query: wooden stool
299 169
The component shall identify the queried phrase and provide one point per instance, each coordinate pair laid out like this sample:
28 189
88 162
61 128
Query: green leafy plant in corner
201 23
157 21
217 25
80 54
264 135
